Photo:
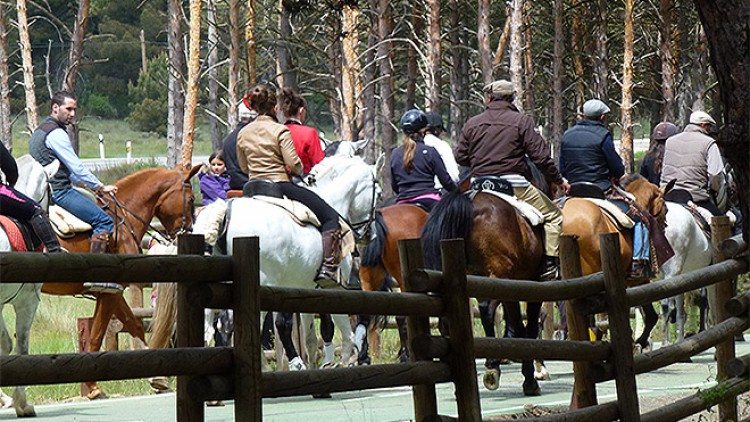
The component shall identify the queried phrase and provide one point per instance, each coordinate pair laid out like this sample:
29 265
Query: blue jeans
82 207
641 249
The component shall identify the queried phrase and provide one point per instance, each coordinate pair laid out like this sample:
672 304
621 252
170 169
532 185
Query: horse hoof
491 379
96 394
159 385
505 361
328 365
531 389
542 375
297 365
215 403
26 412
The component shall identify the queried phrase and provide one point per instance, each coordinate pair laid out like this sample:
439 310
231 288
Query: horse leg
491 377
284 324
665 322
681 317
102 315
361 341
6 345
24 317
703 305
133 325
347 339
403 353
650 318
307 329
531 331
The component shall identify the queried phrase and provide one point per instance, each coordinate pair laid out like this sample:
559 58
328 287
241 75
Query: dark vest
44 155
581 151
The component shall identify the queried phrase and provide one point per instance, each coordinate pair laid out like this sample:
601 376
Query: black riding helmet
434 120
413 121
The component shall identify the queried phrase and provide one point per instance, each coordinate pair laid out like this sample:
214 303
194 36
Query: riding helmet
434 120
664 130
413 121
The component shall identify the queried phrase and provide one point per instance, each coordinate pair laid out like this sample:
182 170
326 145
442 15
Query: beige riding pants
552 216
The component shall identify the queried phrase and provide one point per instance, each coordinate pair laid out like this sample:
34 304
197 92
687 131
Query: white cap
701 117
594 108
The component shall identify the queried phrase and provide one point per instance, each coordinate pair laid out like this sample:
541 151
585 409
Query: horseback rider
588 154
50 142
432 139
265 150
496 142
652 161
415 165
237 178
692 158
17 205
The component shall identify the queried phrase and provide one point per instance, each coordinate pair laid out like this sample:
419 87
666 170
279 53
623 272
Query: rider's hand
107 189
564 186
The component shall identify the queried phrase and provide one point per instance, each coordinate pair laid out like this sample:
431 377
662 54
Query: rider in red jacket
306 139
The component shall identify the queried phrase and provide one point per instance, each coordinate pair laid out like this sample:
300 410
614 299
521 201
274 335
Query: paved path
395 404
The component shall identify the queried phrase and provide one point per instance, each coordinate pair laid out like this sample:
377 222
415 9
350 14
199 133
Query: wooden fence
235 373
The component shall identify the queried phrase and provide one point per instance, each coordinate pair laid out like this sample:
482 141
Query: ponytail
410 148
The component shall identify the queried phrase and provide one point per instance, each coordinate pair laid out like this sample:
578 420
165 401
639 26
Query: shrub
149 116
99 105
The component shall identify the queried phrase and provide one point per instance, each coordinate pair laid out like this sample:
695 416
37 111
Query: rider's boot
640 269
43 229
551 269
99 242
331 244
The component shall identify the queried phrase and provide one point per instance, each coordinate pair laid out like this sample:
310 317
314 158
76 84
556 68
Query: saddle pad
15 237
613 212
300 213
66 223
533 215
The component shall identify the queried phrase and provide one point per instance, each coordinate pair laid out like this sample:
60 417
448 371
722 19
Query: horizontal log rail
534 291
699 402
602 412
130 364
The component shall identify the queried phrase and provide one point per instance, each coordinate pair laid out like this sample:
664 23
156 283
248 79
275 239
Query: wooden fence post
248 395
619 324
189 331
584 390
425 399
461 324
721 229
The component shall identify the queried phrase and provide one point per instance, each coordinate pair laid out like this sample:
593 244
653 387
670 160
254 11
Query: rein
122 221
367 224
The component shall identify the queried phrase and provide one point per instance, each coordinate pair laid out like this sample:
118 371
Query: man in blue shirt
50 142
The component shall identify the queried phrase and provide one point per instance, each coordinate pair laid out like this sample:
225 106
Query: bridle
362 229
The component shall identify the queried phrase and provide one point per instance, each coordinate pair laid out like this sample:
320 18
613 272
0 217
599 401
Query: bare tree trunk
28 67
287 74
76 48
368 91
577 48
176 95
251 44
502 45
626 142
434 84
666 10
528 59
558 73
335 67
350 69
6 126
385 28
412 68
213 77
602 64
516 51
483 40
457 115
144 58
234 64
191 99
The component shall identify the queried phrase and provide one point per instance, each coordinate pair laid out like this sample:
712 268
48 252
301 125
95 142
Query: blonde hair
410 148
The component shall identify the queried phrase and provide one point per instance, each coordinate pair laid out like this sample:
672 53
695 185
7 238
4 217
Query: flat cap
594 108
663 131
501 87
701 117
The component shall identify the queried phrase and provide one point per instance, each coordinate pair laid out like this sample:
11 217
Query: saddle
502 189
701 215
65 224
20 236
593 193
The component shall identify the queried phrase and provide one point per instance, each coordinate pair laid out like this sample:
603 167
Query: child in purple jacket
214 184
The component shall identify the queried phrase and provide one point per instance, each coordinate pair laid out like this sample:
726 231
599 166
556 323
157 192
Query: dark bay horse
587 221
500 243
380 257
156 192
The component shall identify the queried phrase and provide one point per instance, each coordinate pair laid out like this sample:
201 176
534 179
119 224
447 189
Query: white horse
25 300
290 254
692 251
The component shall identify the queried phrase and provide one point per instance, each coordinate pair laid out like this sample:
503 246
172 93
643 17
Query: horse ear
668 187
360 145
193 171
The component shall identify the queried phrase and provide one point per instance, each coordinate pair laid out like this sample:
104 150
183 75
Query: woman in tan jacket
265 151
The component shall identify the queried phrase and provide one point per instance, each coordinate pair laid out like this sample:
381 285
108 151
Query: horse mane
451 218
373 252
139 176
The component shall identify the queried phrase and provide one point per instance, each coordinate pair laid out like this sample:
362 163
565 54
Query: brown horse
587 221
500 243
380 258
156 192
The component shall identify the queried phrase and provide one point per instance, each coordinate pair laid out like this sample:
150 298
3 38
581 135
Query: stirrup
99 287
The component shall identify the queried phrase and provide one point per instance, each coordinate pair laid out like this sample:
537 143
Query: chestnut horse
587 221
155 192
380 258
500 243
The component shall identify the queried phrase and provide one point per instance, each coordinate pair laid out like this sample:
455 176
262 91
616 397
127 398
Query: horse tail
373 252
165 315
451 218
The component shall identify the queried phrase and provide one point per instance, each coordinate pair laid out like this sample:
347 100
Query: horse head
648 195
175 204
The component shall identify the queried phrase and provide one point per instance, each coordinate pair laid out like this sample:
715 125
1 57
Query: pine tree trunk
191 99
626 142
483 40
28 66
558 72
528 60
335 67
350 85
725 24
287 74
602 63
666 10
234 64
458 88
76 48
434 84
213 77
412 68
251 44
385 29
6 126
369 111
516 51
176 94
577 48
502 45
